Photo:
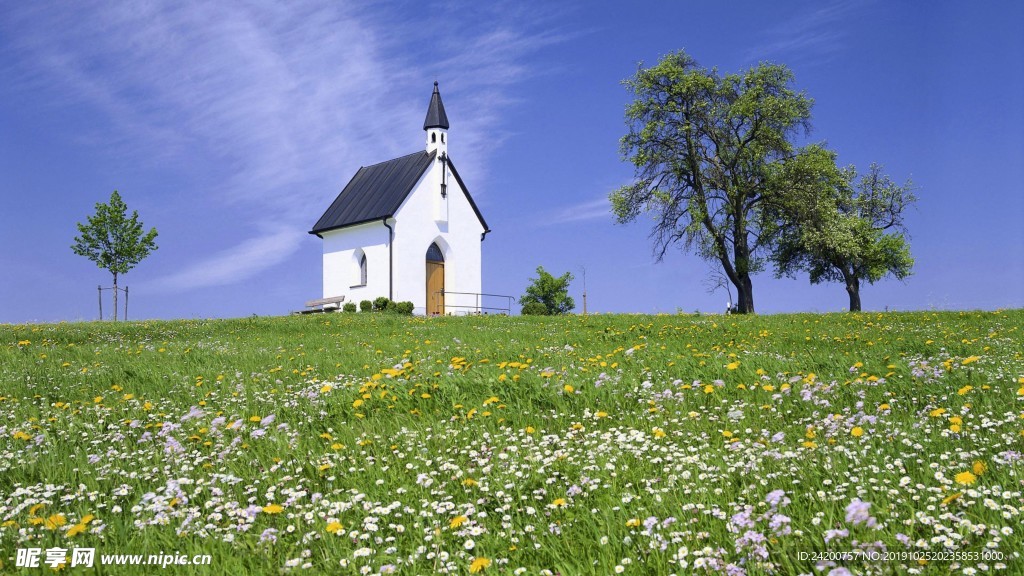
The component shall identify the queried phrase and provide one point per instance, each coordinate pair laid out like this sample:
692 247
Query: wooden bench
322 304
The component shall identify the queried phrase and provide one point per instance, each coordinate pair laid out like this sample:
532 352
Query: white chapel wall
341 263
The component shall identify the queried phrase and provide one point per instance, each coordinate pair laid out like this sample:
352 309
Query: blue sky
231 127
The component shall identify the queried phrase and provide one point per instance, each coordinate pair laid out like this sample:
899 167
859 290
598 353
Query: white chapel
407 229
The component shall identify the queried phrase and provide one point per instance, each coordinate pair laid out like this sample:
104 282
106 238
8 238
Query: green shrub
534 309
381 304
365 306
350 307
404 307
550 292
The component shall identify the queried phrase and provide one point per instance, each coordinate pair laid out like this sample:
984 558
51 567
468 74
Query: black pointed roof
436 118
375 192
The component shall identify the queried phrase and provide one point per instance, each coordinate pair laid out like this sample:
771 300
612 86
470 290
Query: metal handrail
479 308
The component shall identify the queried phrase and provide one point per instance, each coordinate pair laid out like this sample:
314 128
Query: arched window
434 254
362 271
442 138
433 137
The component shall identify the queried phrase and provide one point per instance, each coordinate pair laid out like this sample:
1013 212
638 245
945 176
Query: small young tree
114 241
839 226
548 291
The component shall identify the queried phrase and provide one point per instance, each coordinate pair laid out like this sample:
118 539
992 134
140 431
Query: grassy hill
369 443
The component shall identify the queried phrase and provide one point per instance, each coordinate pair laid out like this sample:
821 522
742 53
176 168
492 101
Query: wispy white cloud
813 36
273 105
228 265
590 210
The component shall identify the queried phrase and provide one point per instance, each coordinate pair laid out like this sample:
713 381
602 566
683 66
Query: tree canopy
548 295
114 241
839 226
703 146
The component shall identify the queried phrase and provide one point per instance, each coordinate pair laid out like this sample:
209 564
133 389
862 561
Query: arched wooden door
435 281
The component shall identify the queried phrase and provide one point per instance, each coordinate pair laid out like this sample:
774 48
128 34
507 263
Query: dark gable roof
375 192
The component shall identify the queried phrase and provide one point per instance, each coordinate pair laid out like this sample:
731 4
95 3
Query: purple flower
780 524
741 520
857 511
193 412
839 572
833 534
269 535
777 498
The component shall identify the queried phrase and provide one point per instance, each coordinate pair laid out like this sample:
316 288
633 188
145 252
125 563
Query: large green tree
548 295
702 145
839 226
114 241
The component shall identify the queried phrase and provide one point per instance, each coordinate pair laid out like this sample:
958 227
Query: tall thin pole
125 303
584 268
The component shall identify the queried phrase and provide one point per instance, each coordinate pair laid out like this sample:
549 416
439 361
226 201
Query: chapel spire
436 124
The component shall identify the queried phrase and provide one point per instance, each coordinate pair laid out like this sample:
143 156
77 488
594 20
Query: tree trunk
115 297
853 289
745 295
744 286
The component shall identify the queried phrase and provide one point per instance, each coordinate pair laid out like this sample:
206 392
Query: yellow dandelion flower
937 412
457 521
337 446
965 390
357 403
273 509
708 388
954 428
727 433
334 527
810 433
809 444
979 467
76 530
469 482
530 430
559 503
478 565
255 418
965 478
35 508
883 407
970 360
857 432
55 521
632 522
732 365
568 389
659 433
601 414
951 497
326 388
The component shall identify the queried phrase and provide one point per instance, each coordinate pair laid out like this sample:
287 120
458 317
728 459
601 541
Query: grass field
375 444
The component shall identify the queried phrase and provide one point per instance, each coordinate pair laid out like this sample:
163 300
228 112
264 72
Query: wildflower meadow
372 443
